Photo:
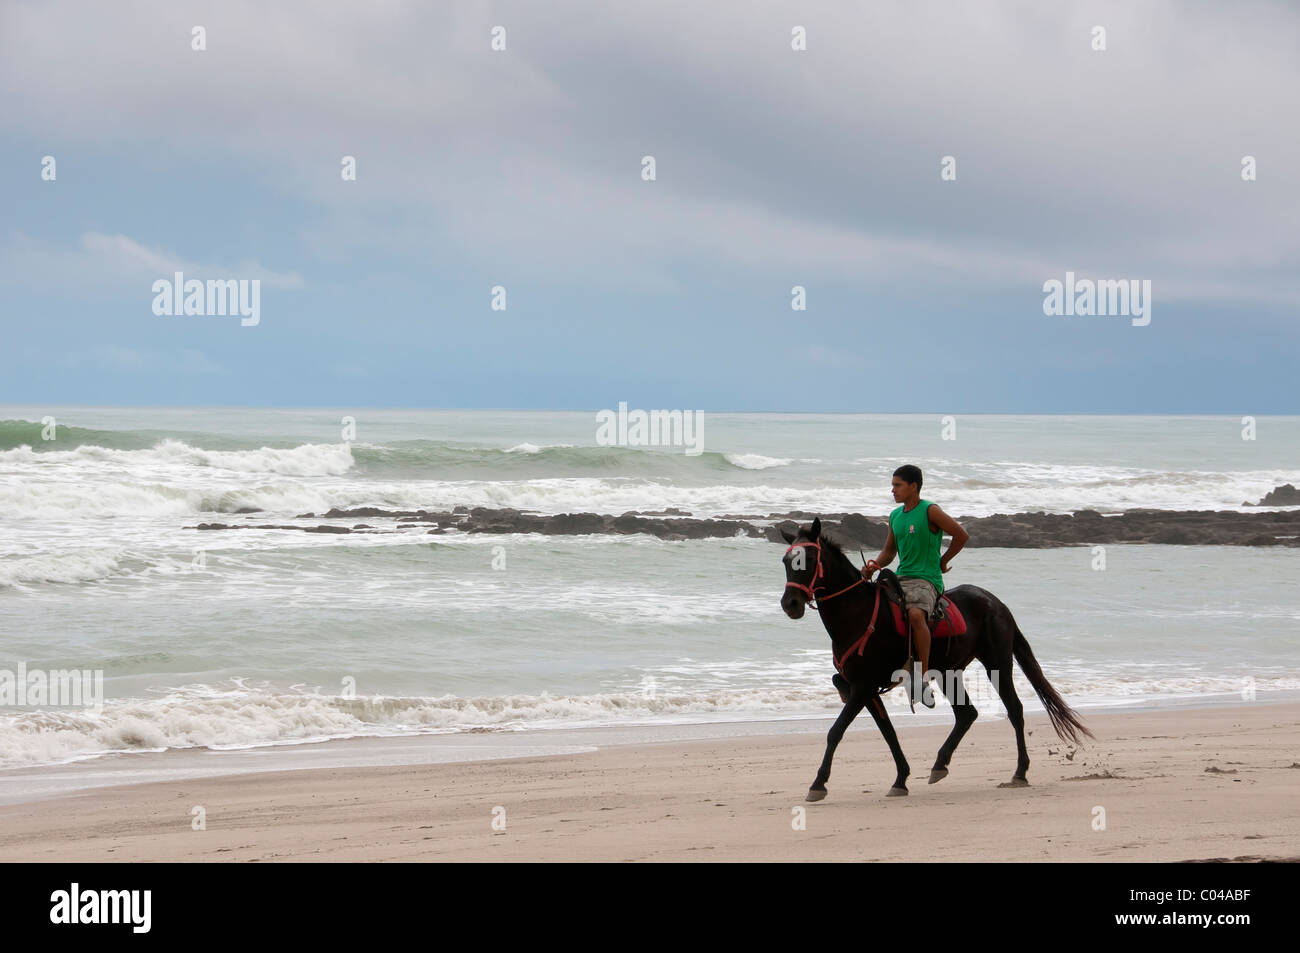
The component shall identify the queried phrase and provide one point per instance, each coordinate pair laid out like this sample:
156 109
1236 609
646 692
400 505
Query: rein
861 643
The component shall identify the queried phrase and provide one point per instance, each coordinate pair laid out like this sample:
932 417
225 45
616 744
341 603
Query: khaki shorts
920 594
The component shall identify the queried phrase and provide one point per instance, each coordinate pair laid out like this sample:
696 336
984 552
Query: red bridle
860 645
818 572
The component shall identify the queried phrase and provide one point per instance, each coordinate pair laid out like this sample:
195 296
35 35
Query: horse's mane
836 547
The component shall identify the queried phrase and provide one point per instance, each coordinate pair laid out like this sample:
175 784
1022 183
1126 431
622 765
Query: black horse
815 565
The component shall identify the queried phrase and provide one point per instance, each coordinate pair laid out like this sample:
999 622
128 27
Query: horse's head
803 568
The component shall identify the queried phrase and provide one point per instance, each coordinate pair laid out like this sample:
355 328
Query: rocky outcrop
306 529
1016 530
482 519
1284 495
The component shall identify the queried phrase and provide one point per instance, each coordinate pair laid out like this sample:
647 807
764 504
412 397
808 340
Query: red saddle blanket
953 623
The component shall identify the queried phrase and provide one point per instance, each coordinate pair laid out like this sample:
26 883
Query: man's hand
871 567
943 565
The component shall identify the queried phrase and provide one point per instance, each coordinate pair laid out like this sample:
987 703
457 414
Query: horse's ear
816 532
789 537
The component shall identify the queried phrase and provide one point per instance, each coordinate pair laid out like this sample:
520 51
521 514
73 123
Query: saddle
945 621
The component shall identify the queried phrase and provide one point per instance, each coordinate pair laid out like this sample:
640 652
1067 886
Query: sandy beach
1217 782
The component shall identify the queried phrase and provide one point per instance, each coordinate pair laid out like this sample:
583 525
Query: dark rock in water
573 524
578 524
1284 495
247 509
1265 539
503 529
1036 530
773 532
864 531
479 512
305 529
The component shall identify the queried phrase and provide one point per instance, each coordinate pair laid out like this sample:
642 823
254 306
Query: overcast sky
774 168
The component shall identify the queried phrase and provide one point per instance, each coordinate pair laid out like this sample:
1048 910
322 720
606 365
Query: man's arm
942 521
884 559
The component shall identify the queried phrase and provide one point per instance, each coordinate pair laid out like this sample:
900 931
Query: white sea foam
312 459
534 448
204 716
618 495
77 566
86 499
755 461
174 478
87 495
201 716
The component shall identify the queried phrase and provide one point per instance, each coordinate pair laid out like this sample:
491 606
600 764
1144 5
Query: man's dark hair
910 474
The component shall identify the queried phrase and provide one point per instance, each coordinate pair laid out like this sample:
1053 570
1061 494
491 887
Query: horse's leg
877 709
851 708
965 714
1016 715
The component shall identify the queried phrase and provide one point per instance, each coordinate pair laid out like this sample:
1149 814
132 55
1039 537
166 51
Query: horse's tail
1065 719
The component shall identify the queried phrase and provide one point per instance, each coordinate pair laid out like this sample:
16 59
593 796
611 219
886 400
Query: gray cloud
817 165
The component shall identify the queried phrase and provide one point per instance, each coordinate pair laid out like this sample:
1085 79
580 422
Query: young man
916 530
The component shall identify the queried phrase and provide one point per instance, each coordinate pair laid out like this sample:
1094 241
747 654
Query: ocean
259 637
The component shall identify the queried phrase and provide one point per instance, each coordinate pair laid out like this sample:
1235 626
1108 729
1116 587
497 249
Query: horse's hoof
938 774
897 792
815 795
1015 783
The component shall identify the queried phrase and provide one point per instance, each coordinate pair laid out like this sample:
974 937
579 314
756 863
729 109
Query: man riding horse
819 574
916 530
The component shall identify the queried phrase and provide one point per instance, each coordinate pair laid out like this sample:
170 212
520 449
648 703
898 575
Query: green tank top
918 545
